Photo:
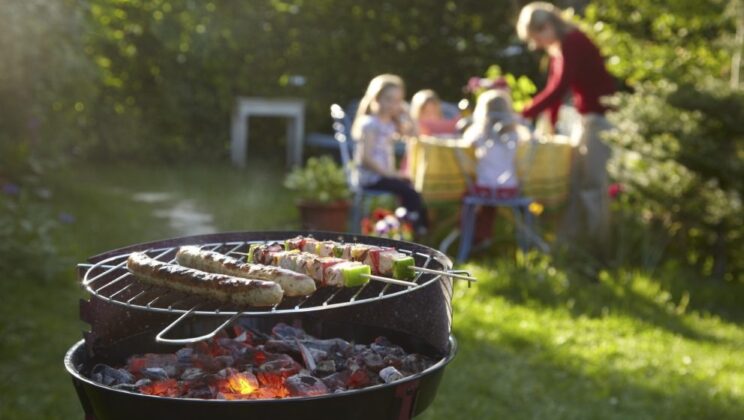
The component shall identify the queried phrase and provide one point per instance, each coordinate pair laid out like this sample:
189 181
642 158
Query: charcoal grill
126 316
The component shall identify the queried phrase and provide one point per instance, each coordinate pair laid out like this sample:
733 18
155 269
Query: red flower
379 214
614 190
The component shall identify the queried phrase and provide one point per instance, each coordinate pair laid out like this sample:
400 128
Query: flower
10 188
379 214
614 190
536 208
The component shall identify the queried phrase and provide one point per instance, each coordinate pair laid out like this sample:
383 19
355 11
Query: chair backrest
449 110
342 134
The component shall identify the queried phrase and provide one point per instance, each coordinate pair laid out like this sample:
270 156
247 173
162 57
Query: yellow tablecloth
543 168
434 169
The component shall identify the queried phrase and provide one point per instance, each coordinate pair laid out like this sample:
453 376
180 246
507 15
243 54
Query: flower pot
324 216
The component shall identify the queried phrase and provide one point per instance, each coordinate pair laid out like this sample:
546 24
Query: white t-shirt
380 143
495 153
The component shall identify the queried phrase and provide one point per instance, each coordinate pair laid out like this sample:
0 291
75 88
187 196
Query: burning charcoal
282 346
325 368
236 385
231 347
192 374
285 332
285 366
415 363
185 357
305 386
390 374
225 361
337 381
359 378
204 392
372 360
165 388
169 362
330 345
154 373
106 375
385 348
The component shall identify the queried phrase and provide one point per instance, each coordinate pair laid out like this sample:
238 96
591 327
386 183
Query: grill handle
160 339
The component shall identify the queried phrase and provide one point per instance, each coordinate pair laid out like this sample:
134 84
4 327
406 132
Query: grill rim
219 239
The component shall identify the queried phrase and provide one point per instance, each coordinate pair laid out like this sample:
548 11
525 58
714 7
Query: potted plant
322 194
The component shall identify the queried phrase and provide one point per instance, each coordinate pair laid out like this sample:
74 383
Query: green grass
535 341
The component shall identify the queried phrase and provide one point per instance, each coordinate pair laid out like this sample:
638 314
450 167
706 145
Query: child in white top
495 134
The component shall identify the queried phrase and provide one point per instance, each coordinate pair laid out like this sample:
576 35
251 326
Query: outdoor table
436 170
246 107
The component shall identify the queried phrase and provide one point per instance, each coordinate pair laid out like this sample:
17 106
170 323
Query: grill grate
110 280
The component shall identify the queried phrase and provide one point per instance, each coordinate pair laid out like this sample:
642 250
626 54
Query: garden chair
342 133
523 218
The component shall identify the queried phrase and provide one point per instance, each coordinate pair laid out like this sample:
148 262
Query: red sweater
581 69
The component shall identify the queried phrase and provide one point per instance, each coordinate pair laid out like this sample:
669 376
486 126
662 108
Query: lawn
535 340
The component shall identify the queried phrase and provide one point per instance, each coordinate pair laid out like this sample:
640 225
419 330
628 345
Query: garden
115 131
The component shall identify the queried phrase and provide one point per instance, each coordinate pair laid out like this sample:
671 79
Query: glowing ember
241 383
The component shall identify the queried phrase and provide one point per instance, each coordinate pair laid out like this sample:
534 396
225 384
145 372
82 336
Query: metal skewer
389 280
445 273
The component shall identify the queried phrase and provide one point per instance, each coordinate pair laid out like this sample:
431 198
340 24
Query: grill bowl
399 400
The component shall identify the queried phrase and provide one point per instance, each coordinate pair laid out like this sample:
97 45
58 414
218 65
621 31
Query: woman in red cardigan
576 66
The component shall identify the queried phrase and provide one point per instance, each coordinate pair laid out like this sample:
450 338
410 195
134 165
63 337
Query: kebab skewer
385 261
326 271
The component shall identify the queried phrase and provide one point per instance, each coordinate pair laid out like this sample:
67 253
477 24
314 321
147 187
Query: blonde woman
576 66
381 119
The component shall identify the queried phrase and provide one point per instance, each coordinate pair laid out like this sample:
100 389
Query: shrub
680 163
321 180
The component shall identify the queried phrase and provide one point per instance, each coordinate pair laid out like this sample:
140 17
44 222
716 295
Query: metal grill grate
110 280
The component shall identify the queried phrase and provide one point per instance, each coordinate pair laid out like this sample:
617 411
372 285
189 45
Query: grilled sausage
218 287
293 283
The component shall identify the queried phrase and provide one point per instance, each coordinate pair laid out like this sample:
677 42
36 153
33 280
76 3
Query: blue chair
342 133
523 219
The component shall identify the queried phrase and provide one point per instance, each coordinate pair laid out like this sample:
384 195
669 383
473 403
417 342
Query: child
426 112
494 133
381 119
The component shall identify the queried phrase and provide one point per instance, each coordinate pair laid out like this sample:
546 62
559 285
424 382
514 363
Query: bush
680 164
321 181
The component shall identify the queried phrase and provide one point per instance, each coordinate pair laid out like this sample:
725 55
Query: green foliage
321 180
170 70
27 226
46 83
521 87
681 164
651 40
